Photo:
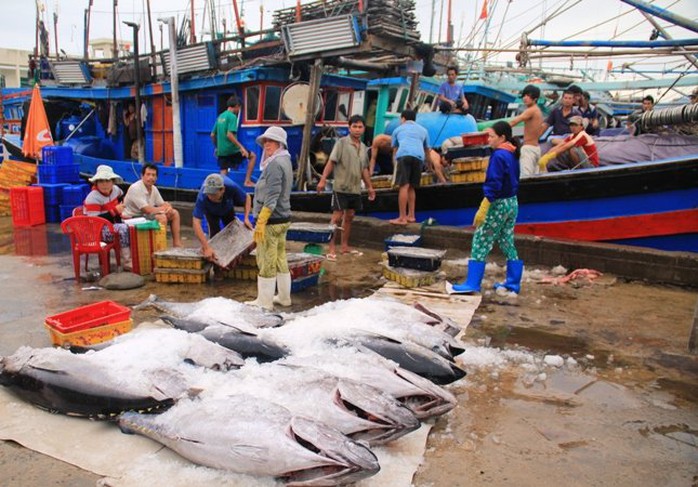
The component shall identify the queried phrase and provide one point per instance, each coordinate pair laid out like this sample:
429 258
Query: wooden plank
460 308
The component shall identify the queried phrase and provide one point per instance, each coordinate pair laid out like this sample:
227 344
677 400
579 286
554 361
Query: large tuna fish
382 317
412 357
144 369
244 340
60 382
359 411
247 435
421 396
213 310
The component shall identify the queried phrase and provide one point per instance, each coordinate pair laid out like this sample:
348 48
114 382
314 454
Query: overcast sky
507 20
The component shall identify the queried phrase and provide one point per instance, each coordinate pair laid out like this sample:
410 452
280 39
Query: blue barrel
440 126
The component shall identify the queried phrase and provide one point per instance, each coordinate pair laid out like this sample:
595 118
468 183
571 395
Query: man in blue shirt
411 150
216 202
589 114
451 97
559 117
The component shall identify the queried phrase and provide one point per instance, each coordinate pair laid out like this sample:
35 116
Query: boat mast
88 10
663 14
241 29
153 58
36 32
174 88
192 25
690 57
431 24
55 31
115 48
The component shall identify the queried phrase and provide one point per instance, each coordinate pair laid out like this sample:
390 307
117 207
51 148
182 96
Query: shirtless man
533 122
382 153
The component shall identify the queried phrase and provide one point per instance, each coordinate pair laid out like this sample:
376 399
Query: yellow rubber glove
261 224
481 212
544 160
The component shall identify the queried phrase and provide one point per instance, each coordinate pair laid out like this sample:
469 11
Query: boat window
392 94
330 106
272 102
404 93
252 103
344 105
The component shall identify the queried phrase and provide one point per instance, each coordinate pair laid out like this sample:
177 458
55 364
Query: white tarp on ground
134 461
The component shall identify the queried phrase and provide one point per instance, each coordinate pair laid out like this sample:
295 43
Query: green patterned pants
497 227
271 254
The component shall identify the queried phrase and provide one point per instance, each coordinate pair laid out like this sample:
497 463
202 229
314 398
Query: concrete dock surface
607 395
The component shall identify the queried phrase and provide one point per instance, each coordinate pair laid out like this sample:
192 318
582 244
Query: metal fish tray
415 258
232 243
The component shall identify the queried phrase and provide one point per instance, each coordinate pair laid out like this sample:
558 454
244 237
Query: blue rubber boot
514 273
476 269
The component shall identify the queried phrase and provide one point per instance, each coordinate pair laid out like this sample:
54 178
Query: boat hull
652 204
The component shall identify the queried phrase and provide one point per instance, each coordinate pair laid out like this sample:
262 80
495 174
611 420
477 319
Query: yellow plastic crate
187 276
382 182
170 276
179 258
426 179
89 336
249 260
469 164
409 277
160 242
468 177
242 273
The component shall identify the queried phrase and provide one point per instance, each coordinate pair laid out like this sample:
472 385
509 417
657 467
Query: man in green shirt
349 162
228 149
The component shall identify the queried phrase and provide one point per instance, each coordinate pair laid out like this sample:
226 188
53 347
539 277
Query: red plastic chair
85 234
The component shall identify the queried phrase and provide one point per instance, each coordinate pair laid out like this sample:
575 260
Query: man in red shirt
577 151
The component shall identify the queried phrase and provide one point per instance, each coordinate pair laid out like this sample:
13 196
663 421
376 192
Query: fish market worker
272 208
216 202
496 217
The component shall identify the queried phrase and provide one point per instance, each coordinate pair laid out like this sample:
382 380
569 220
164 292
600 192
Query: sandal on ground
331 257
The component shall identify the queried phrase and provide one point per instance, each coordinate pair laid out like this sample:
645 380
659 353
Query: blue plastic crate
53 214
403 240
75 194
53 193
50 174
57 155
304 282
65 211
301 236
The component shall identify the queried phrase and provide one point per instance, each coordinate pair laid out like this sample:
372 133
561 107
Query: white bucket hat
273 133
104 173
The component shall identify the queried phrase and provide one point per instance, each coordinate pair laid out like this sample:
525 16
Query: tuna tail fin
148 302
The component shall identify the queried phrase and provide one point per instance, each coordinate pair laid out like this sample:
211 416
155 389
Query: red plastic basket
90 316
27 205
476 138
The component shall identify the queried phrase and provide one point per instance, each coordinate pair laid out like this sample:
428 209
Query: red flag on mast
483 12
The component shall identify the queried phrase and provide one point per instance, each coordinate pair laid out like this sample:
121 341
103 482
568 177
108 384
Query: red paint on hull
637 226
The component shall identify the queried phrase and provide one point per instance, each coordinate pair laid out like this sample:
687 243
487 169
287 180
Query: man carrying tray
216 203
